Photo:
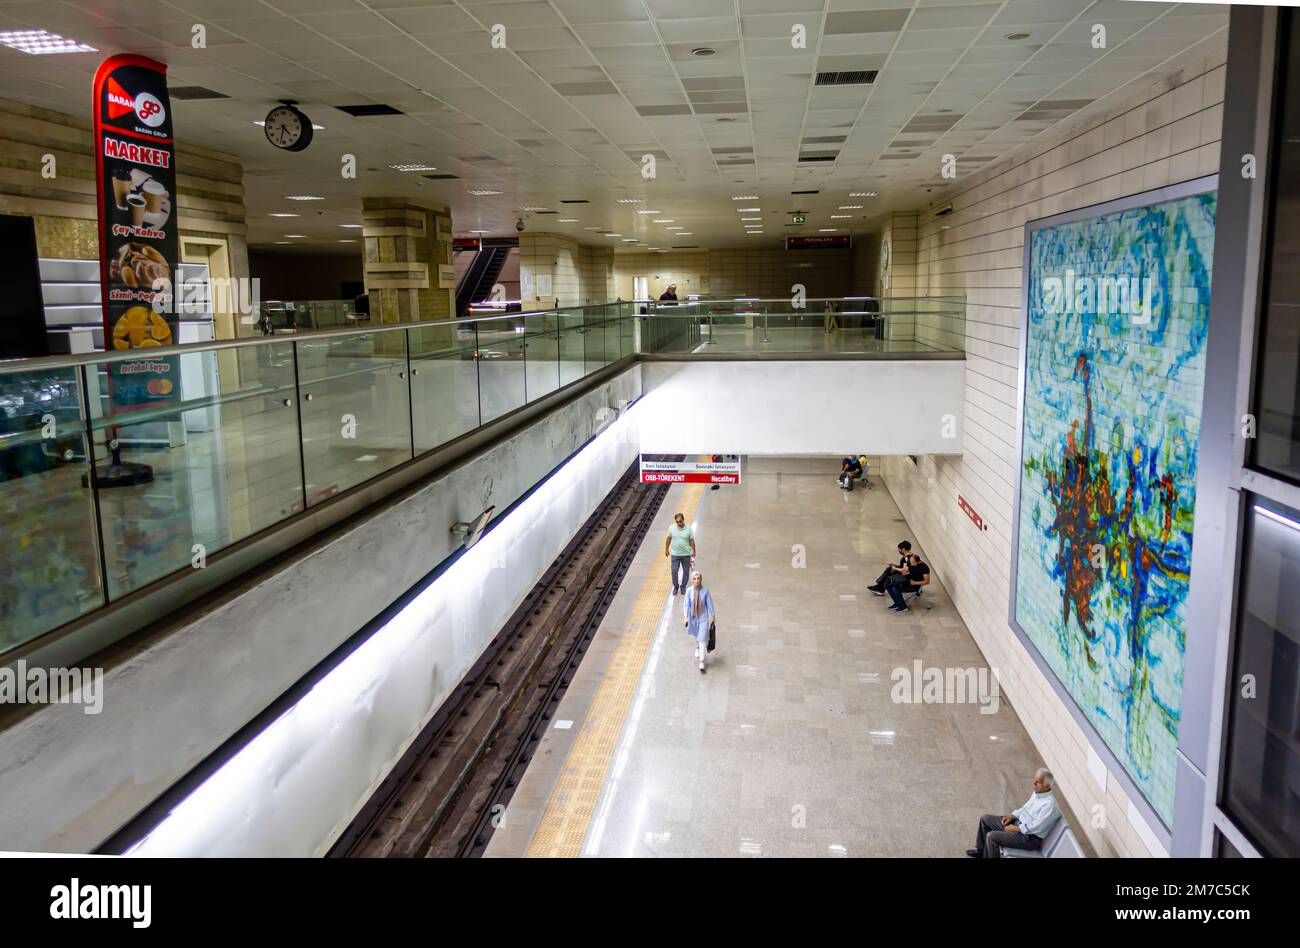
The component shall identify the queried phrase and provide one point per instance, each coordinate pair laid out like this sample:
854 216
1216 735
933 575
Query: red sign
975 518
695 477
691 472
466 243
138 242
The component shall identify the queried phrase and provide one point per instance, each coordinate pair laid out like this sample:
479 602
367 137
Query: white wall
872 407
1159 134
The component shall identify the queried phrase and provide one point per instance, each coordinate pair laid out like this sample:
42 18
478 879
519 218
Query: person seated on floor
850 467
892 573
1025 828
918 575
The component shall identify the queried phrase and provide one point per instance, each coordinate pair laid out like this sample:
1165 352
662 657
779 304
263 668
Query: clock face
287 128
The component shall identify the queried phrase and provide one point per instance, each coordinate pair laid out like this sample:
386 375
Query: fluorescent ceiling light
284 241
481 192
295 235
663 220
745 197
685 233
863 194
841 217
302 197
629 240
478 231
749 210
630 201
351 225
567 220
42 42
285 215
827 230
849 207
347 240
612 235
751 218
413 167
532 207
649 212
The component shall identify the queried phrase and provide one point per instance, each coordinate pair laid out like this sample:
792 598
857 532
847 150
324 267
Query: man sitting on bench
1025 828
918 575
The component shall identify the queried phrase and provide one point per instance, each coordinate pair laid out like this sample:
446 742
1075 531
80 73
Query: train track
449 791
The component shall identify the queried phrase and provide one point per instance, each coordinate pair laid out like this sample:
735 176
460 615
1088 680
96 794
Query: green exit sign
799 219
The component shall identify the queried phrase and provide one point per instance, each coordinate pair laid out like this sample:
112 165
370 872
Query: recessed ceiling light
662 220
724 118
303 197
864 194
42 42
413 167
295 236
749 210
283 215
678 227
751 218
649 212
1017 36
841 217
629 240
746 197
284 241
351 225
629 200
567 220
827 230
753 233
347 240
612 235
480 232
685 233
482 192
703 51
850 207
531 207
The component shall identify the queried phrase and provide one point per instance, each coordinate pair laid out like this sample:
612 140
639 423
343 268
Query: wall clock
288 128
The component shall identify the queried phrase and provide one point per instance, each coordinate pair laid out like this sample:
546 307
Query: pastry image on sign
141 328
138 265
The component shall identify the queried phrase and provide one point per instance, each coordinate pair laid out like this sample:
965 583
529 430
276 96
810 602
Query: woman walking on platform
699 615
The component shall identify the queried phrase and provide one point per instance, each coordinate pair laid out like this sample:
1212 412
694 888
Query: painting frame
1160 832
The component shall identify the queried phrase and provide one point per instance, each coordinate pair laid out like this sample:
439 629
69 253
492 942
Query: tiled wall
579 273
768 273
1162 134
689 269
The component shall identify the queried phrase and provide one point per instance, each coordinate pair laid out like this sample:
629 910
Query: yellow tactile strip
569 811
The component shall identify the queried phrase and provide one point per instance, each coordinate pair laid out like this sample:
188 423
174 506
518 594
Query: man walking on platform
679 544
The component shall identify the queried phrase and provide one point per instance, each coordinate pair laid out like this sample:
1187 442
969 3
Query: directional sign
690 472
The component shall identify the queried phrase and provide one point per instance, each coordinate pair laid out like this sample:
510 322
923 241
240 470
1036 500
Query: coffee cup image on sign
123 184
137 205
157 200
141 328
138 265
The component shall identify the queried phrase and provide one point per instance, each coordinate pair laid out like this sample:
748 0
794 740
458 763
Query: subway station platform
790 743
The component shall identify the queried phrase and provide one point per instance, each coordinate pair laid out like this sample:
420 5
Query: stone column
409 273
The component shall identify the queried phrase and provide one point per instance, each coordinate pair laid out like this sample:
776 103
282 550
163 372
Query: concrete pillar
409 273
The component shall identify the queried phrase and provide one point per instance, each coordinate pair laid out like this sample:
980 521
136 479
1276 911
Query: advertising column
138 242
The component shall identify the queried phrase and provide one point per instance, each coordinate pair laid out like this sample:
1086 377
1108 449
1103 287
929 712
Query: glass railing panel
444 384
222 461
50 572
573 345
542 345
356 410
502 369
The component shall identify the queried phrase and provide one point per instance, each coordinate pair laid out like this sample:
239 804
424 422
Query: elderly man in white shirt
1025 828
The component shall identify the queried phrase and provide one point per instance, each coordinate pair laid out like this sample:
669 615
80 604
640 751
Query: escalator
477 283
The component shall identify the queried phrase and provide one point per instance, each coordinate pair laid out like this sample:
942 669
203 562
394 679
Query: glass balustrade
251 432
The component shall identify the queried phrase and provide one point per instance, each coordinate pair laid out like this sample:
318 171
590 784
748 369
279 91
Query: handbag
713 636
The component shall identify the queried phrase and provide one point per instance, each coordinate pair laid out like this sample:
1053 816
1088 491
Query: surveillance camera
519 225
